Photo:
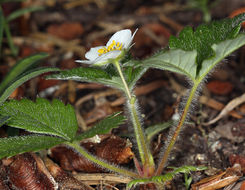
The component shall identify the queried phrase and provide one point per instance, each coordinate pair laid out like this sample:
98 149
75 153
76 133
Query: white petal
106 56
93 53
133 36
129 45
122 36
84 61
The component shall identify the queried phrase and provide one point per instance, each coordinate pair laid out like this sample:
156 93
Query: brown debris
229 107
69 160
3 178
66 31
223 179
65 180
113 149
238 159
220 87
96 178
27 171
212 103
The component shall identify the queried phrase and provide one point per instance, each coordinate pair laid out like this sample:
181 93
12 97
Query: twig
94 179
229 107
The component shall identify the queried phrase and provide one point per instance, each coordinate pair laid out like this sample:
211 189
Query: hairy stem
144 152
104 164
173 139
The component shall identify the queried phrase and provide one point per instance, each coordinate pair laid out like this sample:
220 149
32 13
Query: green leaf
221 50
179 61
41 117
151 131
187 169
205 36
22 11
188 181
103 127
21 79
19 68
166 177
89 74
16 145
3 119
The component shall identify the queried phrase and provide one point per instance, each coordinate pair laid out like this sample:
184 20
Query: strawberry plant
194 54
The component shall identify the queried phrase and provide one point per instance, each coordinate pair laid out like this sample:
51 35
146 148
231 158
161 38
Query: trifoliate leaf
103 127
205 36
16 145
41 117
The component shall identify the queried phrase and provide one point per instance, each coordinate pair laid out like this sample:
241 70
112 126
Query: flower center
112 47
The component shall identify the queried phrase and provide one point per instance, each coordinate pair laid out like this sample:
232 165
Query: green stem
144 152
117 65
81 150
177 130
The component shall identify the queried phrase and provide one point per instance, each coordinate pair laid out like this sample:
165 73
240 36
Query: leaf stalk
144 151
104 164
173 139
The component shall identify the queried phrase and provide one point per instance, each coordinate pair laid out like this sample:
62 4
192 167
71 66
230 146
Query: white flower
114 48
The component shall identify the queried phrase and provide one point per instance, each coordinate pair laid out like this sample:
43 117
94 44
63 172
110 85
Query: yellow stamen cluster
113 46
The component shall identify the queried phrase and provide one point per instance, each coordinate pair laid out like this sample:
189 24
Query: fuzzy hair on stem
175 131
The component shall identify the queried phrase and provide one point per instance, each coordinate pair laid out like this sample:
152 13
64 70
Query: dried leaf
221 180
27 171
112 149
66 31
229 107
238 159
3 178
65 180
220 87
